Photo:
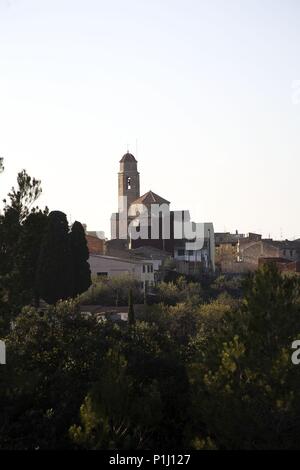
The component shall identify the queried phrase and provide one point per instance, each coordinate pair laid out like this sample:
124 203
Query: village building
237 253
103 266
252 251
96 243
149 222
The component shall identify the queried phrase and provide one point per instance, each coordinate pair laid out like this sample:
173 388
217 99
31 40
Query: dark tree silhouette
54 281
29 246
81 273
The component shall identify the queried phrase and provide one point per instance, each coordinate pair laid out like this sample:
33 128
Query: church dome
128 157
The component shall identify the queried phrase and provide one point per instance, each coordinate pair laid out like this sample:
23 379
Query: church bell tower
129 179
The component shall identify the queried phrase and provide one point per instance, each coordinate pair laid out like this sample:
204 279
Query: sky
205 94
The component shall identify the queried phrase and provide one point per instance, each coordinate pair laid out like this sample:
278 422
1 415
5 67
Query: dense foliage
112 291
40 258
207 367
196 375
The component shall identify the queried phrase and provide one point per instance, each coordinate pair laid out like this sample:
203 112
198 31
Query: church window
128 182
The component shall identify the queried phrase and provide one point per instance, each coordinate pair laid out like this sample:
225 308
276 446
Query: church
147 221
134 207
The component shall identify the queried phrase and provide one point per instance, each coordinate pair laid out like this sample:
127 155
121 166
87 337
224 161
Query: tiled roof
150 198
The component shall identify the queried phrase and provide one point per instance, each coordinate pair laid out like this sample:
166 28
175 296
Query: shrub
112 291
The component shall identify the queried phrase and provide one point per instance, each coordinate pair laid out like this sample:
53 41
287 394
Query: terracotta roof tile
150 198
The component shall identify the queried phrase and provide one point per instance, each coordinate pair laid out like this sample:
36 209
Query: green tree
53 360
112 291
29 246
131 315
16 211
54 279
272 306
141 398
81 273
121 412
245 389
22 199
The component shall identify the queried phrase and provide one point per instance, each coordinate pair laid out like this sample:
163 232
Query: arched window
128 183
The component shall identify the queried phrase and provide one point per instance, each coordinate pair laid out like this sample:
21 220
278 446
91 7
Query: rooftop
150 198
128 157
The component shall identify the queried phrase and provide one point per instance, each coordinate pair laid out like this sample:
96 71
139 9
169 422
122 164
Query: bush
112 291
170 293
53 359
232 284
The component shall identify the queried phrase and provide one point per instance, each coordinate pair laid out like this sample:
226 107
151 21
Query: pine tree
54 280
81 273
13 251
131 315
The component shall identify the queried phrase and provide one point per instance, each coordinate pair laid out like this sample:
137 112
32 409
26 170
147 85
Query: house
238 253
144 254
96 245
198 260
226 252
95 241
110 266
254 250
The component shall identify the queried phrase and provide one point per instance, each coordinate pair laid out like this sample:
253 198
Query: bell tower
129 179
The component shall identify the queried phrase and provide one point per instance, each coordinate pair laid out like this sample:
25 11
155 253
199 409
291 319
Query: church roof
150 198
128 157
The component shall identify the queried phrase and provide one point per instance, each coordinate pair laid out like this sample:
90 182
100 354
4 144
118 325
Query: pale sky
204 86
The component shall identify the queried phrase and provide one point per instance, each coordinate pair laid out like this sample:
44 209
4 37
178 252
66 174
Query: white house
110 266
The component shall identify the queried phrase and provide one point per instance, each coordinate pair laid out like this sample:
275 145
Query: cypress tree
81 273
54 280
29 247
